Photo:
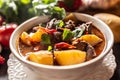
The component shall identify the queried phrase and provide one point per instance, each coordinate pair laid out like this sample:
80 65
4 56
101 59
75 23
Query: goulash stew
61 42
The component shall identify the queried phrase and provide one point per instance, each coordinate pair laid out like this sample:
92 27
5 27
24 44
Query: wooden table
116 47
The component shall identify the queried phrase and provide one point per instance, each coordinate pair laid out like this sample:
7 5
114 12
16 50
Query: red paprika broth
56 38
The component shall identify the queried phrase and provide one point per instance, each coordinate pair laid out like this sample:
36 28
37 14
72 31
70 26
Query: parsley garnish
45 39
78 32
60 23
67 35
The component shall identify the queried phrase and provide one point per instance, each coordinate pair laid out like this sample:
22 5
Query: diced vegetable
50 48
36 37
42 57
78 32
63 45
45 39
69 57
91 39
25 38
67 35
51 31
59 23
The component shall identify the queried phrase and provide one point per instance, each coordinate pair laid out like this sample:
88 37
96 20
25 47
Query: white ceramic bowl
72 72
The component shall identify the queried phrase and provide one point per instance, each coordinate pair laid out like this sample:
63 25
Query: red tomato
5 33
51 31
1 20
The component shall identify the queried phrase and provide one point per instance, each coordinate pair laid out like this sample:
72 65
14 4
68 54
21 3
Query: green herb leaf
78 32
45 39
59 23
50 48
67 35
58 12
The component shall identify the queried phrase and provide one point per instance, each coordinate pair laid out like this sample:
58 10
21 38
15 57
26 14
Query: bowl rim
63 67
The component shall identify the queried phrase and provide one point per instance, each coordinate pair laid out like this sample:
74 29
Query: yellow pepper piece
36 37
25 38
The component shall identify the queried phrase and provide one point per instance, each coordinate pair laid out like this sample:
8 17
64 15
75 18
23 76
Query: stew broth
59 41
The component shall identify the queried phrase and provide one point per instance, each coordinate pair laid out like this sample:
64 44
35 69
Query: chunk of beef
70 25
89 27
56 37
90 52
84 46
81 45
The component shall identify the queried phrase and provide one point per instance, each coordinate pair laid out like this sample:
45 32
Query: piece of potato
42 57
113 21
69 57
33 57
25 38
91 39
